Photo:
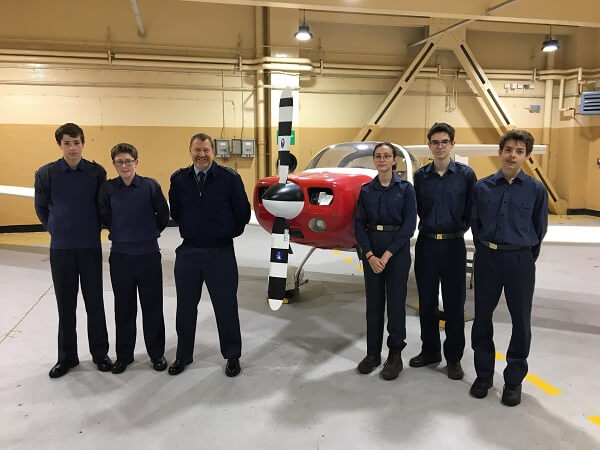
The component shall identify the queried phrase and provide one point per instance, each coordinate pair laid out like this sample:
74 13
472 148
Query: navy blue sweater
134 214
66 203
211 217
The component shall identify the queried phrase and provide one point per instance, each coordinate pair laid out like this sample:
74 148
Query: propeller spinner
284 201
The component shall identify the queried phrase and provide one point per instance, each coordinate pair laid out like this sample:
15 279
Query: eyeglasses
123 162
385 156
443 143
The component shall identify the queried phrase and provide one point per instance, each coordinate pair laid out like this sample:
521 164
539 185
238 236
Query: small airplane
320 200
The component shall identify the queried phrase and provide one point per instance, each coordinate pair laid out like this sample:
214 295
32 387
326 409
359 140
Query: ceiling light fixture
303 33
550 45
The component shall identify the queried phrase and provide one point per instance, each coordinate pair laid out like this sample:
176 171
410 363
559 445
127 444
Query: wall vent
590 102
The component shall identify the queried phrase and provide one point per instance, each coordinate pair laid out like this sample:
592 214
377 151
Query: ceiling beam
583 13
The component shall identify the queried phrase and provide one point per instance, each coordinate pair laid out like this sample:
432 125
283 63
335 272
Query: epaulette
228 169
177 172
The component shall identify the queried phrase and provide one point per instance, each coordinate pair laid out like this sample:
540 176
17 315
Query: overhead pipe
138 18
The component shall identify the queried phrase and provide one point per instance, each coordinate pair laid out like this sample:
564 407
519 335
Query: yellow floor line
546 387
359 268
25 315
535 380
350 260
337 252
595 420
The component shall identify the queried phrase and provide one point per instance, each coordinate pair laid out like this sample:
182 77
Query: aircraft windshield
356 155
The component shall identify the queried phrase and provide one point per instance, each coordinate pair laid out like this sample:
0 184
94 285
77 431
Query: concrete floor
298 388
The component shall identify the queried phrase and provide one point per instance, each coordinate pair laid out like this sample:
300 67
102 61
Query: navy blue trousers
129 275
218 268
387 287
442 261
69 267
515 272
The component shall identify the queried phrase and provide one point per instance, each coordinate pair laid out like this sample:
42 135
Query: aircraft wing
468 150
17 190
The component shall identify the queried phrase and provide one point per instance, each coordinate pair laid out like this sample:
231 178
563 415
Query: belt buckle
379 227
493 246
439 236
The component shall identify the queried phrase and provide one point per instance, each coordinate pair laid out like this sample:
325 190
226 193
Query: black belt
383 228
438 236
503 246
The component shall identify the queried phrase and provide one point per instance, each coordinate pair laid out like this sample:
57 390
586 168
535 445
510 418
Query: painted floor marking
535 380
595 420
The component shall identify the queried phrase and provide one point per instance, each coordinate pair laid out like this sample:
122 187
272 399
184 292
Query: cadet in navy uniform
66 193
210 205
385 220
444 191
136 211
509 221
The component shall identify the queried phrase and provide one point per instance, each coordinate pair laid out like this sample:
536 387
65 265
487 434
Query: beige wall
159 109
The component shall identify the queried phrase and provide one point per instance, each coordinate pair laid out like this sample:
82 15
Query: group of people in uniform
507 213
508 216
208 201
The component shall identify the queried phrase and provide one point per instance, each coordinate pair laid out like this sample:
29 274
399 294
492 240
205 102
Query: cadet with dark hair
210 205
136 212
444 190
385 219
66 193
509 221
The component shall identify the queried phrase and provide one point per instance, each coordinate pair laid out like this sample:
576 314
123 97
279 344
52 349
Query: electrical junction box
236 147
222 148
247 148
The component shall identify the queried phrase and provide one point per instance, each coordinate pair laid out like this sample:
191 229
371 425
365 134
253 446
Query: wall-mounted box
236 146
222 148
247 148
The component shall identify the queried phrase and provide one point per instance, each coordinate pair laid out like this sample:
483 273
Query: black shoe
120 365
61 368
423 359
455 371
159 364
368 364
232 368
511 395
178 366
480 387
393 365
103 363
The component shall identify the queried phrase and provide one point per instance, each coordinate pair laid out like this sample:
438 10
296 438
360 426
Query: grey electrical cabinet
236 146
222 148
247 148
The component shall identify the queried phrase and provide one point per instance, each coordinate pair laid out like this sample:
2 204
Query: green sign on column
292 137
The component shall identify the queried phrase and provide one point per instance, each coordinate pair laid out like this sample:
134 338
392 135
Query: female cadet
384 221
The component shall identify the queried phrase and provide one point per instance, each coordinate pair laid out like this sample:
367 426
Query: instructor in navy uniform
385 220
444 191
210 205
66 202
136 211
509 221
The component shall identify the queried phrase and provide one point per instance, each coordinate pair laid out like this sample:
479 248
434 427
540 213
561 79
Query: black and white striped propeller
285 201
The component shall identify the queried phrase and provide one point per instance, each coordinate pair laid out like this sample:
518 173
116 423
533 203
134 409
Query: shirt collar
134 182
395 180
206 171
65 167
500 176
451 167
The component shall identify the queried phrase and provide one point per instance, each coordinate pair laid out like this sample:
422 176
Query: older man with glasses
444 190
136 211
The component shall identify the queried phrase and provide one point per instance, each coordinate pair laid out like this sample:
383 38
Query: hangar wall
158 109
